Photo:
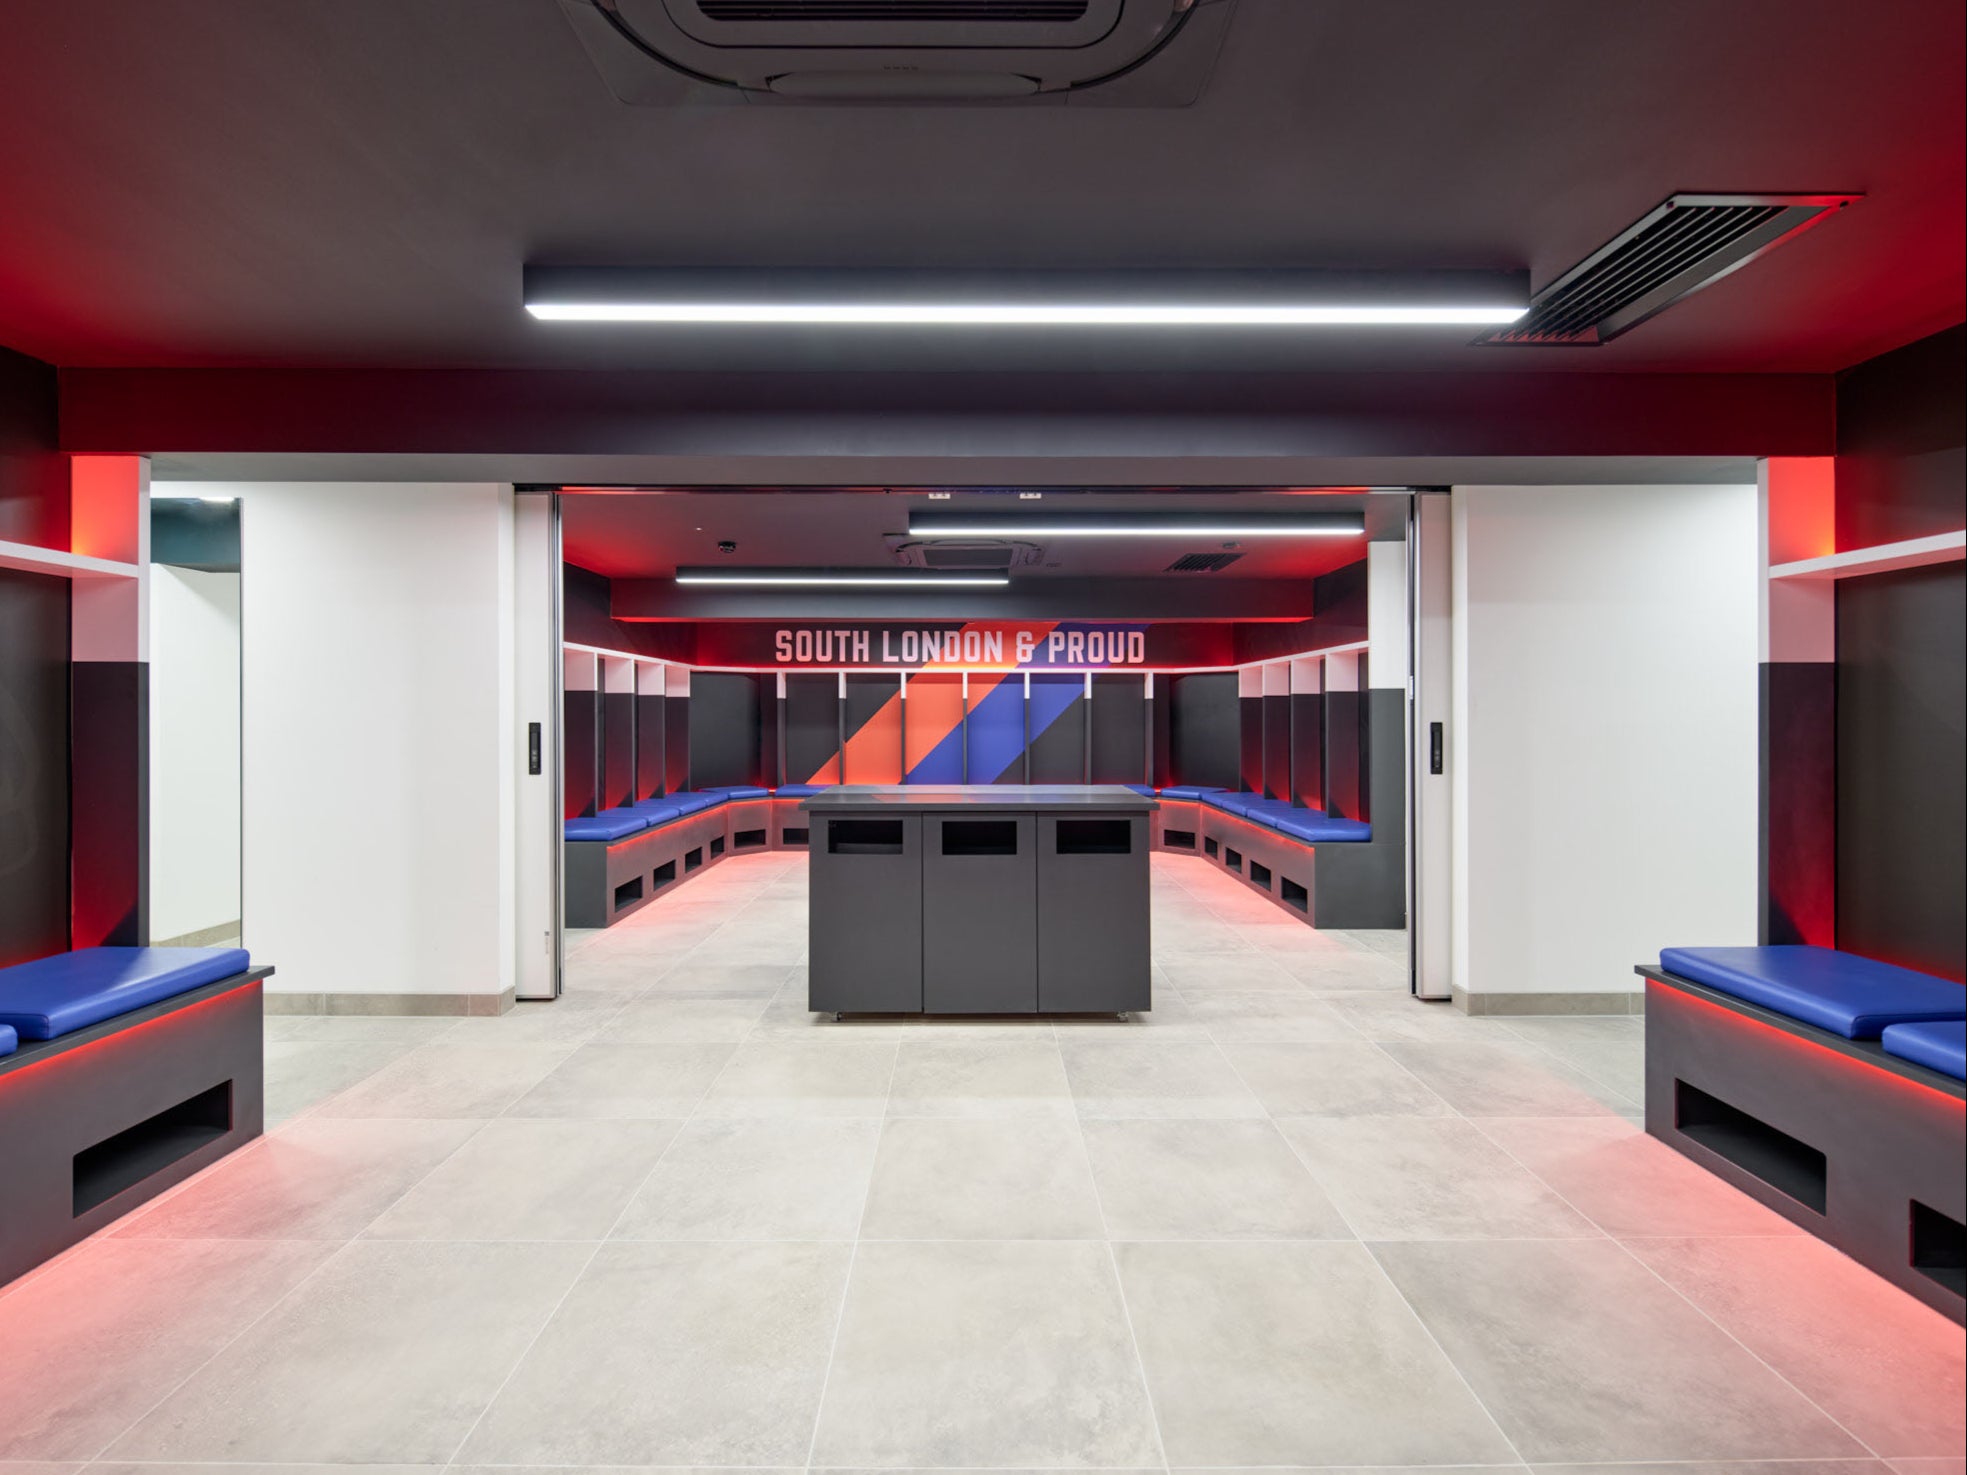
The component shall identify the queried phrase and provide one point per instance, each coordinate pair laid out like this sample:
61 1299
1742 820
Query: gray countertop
985 797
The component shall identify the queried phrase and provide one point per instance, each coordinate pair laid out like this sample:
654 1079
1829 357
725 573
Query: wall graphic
978 645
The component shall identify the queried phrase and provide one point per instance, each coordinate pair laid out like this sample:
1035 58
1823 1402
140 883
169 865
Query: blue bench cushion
609 824
1941 1046
800 791
692 801
54 996
1146 791
1315 827
742 791
658 811
1188 791
1841 992
8 1039
1228 803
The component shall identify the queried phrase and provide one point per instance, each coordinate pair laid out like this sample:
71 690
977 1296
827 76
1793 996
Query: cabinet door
1094 949
979 914
864 928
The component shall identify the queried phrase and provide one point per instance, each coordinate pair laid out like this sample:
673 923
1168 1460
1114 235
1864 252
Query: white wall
194 751
1603 747
378 741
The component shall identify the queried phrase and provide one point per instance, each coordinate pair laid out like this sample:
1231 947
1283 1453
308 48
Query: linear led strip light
1118 299
953 524
837 578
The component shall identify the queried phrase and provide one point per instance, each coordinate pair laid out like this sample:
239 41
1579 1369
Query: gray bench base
607 880
104 1119
1356 883
1862 1149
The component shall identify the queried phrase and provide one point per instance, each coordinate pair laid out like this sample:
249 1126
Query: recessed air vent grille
962 556
1055 12
1202 563
1687 243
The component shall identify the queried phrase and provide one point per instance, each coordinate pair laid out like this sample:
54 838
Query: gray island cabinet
981 899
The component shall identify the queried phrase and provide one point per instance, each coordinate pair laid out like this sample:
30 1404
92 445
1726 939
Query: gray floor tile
440 1080
675 1354
1609 1048
301 1074
1296 1017
973 1355
684 1021
1628 1183
1294 1354
1493 1079
95 1340
317 1178
1205 1180
1127 1079
1584 1356
702 975
1389 1016
797 1078
605 1081
521 1179
1724 1467
939 1076
1332 1080
981 1179
1243 973
1890 1370
775 1178
1344 972
1188 938
353 1029
1428 1178
572 1019
387 1354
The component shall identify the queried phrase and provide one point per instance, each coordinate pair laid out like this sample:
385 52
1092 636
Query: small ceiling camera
725 545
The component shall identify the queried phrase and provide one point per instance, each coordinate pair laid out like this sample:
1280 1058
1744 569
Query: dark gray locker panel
980 913
864 933
1094 952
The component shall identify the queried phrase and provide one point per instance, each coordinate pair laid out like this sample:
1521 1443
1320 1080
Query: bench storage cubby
616 862
1768 1070
131 1069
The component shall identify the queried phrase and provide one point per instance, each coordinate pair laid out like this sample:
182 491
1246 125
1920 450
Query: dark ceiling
358 182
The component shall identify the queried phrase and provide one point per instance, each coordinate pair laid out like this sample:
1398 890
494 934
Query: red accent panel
105 501
873 754
933 711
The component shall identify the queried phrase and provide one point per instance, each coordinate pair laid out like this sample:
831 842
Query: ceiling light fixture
1138 525
837 578
1116 299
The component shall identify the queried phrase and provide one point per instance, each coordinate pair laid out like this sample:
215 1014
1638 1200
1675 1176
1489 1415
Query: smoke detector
1116 53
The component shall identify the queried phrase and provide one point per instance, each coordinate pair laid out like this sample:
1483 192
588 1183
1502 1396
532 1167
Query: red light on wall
108 507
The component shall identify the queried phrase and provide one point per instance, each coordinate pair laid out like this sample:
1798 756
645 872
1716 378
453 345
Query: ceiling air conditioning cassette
1142 53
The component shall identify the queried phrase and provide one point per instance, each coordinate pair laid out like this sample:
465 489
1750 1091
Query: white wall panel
1603 748
378 707
194 751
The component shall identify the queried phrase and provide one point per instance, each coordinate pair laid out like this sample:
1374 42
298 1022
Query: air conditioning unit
1124 53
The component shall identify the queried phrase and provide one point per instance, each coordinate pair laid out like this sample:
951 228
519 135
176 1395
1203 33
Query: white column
534 664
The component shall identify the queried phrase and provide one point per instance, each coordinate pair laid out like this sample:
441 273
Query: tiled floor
1290 1219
